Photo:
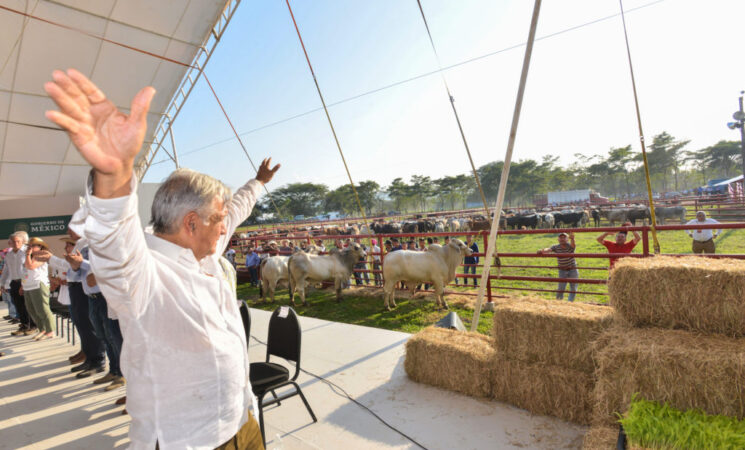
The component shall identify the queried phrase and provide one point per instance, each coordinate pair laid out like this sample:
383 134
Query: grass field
365 307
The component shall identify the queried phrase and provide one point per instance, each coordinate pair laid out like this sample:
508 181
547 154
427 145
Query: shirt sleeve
118 253
239 209
59 264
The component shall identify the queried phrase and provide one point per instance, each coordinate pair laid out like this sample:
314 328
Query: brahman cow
437 266
273 270
338 266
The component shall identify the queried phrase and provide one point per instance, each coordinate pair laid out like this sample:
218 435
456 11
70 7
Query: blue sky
578 98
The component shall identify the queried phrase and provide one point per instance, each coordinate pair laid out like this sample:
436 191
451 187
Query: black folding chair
283 341
246 316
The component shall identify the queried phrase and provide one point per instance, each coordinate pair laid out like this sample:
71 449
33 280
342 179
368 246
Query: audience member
703 240
567 264
36 290
470 262
376 263
11 279
252 264
619 245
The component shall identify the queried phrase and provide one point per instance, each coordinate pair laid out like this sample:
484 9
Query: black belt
704 242
74 282
96 295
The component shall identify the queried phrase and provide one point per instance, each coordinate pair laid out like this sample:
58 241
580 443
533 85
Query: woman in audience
35 285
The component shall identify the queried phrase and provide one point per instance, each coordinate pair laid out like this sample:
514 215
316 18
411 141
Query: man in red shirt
620 245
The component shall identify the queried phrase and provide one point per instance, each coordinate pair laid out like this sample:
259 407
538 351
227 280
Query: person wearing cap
253 261
703 240
92 351
36 290
567 264
361 264
12 279
619 245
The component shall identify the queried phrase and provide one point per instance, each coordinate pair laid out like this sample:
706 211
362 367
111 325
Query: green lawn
413 315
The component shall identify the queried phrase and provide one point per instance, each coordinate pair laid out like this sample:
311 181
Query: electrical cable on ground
334 387
656 243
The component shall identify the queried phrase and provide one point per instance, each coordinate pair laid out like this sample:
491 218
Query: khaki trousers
247 438
703 247
37 304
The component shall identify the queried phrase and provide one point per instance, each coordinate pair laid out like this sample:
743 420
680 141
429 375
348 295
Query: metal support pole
742 141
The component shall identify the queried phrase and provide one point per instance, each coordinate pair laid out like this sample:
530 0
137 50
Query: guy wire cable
328 117
656 243
455 111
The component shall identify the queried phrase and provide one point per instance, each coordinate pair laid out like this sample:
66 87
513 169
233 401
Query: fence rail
493 279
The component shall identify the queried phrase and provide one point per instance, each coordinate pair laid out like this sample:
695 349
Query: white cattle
453 225
338 266
273 271
437 266
439 226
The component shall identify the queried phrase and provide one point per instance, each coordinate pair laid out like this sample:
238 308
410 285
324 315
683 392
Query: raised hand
265 174
107 138
75 259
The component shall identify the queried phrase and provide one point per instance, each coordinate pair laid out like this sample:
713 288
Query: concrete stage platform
43 405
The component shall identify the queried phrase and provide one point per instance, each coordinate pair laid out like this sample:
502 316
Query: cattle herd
515 220
437 265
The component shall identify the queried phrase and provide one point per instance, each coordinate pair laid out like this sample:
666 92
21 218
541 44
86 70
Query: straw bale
453 360
546 390
690 293
600 438
687 370
550 332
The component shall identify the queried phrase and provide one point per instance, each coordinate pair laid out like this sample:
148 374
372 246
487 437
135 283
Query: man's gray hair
20 234
703 213
184 191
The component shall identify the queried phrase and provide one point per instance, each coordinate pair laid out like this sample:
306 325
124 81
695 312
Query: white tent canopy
41 162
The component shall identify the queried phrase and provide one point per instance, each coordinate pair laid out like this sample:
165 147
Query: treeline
617 174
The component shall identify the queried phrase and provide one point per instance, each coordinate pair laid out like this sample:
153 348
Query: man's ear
190 222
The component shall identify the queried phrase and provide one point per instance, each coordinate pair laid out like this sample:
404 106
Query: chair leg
261 418
274 394
300 392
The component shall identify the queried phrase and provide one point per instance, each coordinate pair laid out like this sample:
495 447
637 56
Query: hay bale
691 293
549 332
453 360
684 369
546 390
600 438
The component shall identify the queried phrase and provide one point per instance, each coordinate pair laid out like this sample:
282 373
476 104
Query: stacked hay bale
691 353
543 361
453 360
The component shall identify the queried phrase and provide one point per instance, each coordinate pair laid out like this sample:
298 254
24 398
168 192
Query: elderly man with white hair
11 281
703 240
185 352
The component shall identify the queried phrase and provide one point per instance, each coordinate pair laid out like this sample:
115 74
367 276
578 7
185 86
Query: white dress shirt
702 235
13 269
184 355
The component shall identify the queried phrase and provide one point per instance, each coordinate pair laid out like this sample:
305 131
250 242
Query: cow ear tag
283 311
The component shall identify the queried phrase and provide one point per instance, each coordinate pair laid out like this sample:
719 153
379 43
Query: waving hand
107 138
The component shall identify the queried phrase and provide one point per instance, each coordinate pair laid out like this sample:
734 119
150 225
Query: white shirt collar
170 250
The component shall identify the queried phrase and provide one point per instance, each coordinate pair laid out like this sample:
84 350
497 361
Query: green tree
298 198
421 188
398 191
368 192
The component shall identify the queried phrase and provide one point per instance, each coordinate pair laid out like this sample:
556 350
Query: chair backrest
246 316
284 336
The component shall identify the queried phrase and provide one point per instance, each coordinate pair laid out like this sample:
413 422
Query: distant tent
733 187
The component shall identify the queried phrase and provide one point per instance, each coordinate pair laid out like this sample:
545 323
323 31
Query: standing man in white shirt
10 280
703 240
185 353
